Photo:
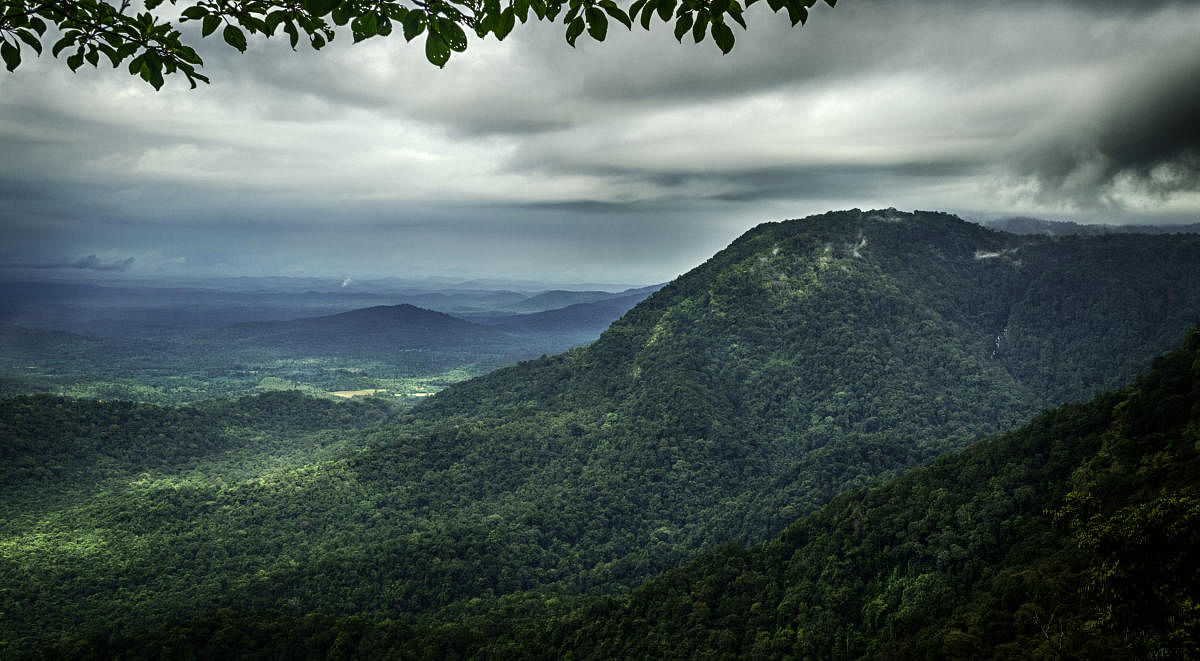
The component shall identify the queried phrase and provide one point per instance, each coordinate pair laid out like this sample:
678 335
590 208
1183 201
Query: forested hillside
809 358
1073 537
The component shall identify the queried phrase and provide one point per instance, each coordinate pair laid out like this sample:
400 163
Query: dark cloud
1141 137
639 156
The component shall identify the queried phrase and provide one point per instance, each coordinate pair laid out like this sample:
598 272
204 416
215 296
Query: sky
627 161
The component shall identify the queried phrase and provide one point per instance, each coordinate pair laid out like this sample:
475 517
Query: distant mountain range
1026 225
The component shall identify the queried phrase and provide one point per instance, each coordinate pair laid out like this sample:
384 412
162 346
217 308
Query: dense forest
1073 537
512 513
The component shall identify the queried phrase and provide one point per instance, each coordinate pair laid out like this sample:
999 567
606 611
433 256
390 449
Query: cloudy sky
629 161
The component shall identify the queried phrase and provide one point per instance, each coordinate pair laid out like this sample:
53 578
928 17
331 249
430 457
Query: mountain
1072 537
561 298
809 358
378 329
585 319
1026 225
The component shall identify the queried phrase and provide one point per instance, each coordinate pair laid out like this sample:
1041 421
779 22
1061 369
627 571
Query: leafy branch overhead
146 38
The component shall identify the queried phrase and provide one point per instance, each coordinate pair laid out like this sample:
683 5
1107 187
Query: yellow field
355 393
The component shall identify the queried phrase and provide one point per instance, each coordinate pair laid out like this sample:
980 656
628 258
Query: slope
806 359
1073 537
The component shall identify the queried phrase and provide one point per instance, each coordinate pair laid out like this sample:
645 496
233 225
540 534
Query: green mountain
809 358
1073 537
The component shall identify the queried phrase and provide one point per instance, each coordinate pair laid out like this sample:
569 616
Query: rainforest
860 434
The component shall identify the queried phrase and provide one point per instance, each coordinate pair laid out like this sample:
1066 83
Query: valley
736 457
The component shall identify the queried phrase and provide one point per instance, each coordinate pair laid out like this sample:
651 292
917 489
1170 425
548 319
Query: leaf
12 56
293 34
574 29
28 38
452 34
723 35
364 27
194 13
635 8
597 23
234 37
648 13
682 26
665 9
436 50
505 23
73 61
210 25
521 9
699 26
616 12
61 44
320 7
343 13
414 24
113 55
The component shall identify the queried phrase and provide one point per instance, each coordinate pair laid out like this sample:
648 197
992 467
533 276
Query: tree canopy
146 36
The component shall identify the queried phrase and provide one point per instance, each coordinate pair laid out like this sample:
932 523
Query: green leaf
797 12
234 37
293 34
436 50
38 24
648 13
28 38
194 13
210 25
521 9
342 13
665 9
723 35
616 12
505 23
682 26
364 27
61 44
452 34
597 23
320 7
574 29
73 61
273 20
414 24
12 56
113 55
699 26
735 10
635 8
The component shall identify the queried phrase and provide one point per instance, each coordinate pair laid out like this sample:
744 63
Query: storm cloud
630 160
